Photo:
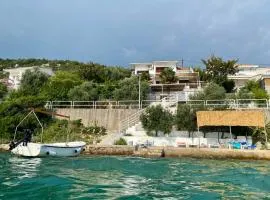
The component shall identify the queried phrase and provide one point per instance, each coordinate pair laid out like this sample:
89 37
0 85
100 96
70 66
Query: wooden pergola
231 118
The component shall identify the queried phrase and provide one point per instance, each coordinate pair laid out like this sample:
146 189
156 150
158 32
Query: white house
188 81
249 72
15 74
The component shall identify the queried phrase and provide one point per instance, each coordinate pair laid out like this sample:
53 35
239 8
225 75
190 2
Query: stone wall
109 118
108 150
206 153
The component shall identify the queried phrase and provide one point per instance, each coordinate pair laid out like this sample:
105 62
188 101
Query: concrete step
139 127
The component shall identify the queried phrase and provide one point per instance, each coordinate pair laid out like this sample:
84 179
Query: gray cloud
120 31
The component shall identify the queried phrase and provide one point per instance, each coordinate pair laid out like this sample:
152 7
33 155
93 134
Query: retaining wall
109 118
179 152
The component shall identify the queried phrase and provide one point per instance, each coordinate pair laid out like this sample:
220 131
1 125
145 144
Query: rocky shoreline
173 152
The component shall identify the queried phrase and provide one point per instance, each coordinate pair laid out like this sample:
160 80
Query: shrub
94 130
121 141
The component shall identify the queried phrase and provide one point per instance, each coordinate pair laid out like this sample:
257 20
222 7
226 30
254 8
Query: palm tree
168 76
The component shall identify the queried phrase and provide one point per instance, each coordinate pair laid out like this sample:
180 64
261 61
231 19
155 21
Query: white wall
175 141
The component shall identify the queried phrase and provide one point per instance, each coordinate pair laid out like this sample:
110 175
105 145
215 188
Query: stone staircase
138 129
132 125
110 138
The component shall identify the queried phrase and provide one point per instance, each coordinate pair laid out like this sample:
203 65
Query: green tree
211 92
155 119
145 76
100 73
228 85
244 93
186 118
128 89
106 91
60 84
168 76
32 82
217 69
252 89
87 91
3 90
261 135
202 73
251 85
14 110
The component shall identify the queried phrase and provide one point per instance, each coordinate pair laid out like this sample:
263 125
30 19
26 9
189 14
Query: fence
135 104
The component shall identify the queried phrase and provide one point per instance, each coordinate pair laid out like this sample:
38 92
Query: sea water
103 177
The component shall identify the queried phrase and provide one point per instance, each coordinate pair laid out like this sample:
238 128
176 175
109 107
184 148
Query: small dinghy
25 147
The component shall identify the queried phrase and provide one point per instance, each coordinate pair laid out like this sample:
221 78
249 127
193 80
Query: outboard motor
11 145
27 138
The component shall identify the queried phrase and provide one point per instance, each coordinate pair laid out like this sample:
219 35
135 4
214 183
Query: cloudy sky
118 32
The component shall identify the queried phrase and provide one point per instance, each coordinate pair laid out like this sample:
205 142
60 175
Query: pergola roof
231 118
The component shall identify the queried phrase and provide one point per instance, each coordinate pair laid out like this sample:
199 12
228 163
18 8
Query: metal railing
134 104
130 120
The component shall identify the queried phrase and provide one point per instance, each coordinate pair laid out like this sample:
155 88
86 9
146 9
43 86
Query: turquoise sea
87 177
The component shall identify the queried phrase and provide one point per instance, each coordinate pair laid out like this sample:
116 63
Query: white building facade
187 80
16 74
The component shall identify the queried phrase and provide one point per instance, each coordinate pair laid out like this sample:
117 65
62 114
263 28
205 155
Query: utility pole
139 92
182 63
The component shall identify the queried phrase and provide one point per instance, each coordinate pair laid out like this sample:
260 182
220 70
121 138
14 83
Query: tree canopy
155 119
186 118
33 81
3 90
168 76
217 70
128 89
58 86
252 89
88 91
211 92
101 73
202 73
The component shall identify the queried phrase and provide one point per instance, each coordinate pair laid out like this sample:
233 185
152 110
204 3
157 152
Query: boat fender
76 151
83 149
47 153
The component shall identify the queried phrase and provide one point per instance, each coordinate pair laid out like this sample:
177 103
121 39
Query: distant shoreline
171 152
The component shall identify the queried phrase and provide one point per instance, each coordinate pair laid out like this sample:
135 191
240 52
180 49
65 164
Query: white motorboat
25 147
53 149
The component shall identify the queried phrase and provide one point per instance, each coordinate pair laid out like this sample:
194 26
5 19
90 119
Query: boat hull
54 149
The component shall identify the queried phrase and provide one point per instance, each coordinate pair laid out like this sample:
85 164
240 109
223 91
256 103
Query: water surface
100 177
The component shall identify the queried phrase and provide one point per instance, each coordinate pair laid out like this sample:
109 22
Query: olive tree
128 89
33 81
211 92
186 118
155 119
88 91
